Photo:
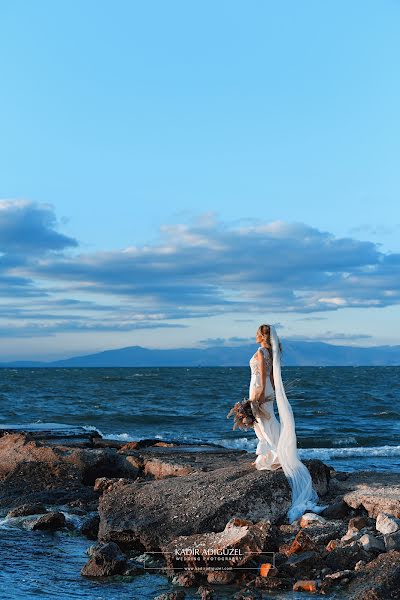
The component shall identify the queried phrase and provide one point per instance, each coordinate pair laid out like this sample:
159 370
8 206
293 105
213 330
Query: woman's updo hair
264 332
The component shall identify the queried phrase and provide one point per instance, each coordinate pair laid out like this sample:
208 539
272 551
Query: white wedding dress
267 427
277 440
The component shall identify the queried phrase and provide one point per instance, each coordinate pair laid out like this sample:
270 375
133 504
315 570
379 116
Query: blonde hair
264 331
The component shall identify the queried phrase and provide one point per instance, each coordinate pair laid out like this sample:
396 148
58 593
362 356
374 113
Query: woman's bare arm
263 375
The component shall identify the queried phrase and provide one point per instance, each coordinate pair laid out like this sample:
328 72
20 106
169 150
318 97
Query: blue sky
173 173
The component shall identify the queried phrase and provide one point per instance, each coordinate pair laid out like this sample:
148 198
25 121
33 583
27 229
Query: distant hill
295 353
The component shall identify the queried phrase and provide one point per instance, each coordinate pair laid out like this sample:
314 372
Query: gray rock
379 579
371 543
180 595
392 541
90 527
236 544
27 509
337 510
51 521
148 514
106 559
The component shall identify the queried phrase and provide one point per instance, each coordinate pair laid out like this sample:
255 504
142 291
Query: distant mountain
295 353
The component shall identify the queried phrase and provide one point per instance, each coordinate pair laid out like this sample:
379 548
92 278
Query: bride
277 442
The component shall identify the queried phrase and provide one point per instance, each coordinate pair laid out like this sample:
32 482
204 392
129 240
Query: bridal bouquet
243 415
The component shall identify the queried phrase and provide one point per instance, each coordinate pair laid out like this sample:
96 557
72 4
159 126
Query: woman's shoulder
264 352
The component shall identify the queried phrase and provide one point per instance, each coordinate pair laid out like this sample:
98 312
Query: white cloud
195 270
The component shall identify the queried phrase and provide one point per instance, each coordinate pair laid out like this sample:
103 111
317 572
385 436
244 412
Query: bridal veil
304 496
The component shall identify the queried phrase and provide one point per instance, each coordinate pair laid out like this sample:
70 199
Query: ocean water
349 417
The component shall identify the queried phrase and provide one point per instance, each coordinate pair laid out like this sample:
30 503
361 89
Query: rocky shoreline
159 507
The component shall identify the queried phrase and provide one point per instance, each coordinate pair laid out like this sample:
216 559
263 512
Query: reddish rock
305 585
301 543
332 544
160 469
106 484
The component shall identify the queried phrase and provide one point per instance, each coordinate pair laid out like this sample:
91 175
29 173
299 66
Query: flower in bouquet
243 415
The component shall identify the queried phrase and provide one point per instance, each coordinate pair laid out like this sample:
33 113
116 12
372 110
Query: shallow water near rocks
39 564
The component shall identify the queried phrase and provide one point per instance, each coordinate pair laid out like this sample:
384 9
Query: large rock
232 547
33 470
177 460
149 514
16 448
379 579
37 482
374 492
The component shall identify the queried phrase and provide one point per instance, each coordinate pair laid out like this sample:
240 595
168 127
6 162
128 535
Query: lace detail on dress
255 369
255 365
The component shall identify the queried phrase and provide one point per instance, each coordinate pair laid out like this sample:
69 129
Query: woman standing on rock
277 445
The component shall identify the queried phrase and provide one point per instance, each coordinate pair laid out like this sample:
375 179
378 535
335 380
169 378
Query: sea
348 417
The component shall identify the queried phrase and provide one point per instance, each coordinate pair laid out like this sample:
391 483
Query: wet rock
133 568
205 592
106 559
180 595
247 594
90 527
188 579
27 509
235 544
386 523
379 579
50 521
107 443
